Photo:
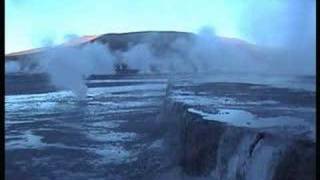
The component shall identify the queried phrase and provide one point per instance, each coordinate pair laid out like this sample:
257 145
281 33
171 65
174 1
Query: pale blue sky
33 23
30 22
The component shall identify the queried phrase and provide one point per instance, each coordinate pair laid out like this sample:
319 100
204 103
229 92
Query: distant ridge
122 41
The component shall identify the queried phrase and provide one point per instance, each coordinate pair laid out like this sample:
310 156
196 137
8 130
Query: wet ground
110 135
286 106
114 134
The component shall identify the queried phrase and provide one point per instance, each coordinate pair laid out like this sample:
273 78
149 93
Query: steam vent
135 121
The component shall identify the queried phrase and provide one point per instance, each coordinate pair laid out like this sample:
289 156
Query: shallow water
51 134
58 133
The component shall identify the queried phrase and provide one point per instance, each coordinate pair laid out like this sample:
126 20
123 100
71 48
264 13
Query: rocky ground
243 130
161 127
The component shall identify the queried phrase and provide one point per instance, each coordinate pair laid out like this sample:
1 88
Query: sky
36 23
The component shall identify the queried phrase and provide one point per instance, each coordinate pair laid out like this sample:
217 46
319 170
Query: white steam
283 33
12 67
139 57
288 25
68 67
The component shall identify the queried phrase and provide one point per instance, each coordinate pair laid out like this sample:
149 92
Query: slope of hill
163 46
159 40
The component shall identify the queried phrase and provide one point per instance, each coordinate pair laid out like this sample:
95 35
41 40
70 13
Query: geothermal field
158 127
158 105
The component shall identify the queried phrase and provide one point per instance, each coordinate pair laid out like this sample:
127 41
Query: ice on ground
243 118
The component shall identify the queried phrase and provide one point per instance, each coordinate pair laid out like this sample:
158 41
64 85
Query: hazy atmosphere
266 22
161 89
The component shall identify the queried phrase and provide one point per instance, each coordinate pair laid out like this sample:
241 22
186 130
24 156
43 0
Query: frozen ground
114 132
260 106
239 128
54 136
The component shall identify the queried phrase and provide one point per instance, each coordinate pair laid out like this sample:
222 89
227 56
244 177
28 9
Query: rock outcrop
209 143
